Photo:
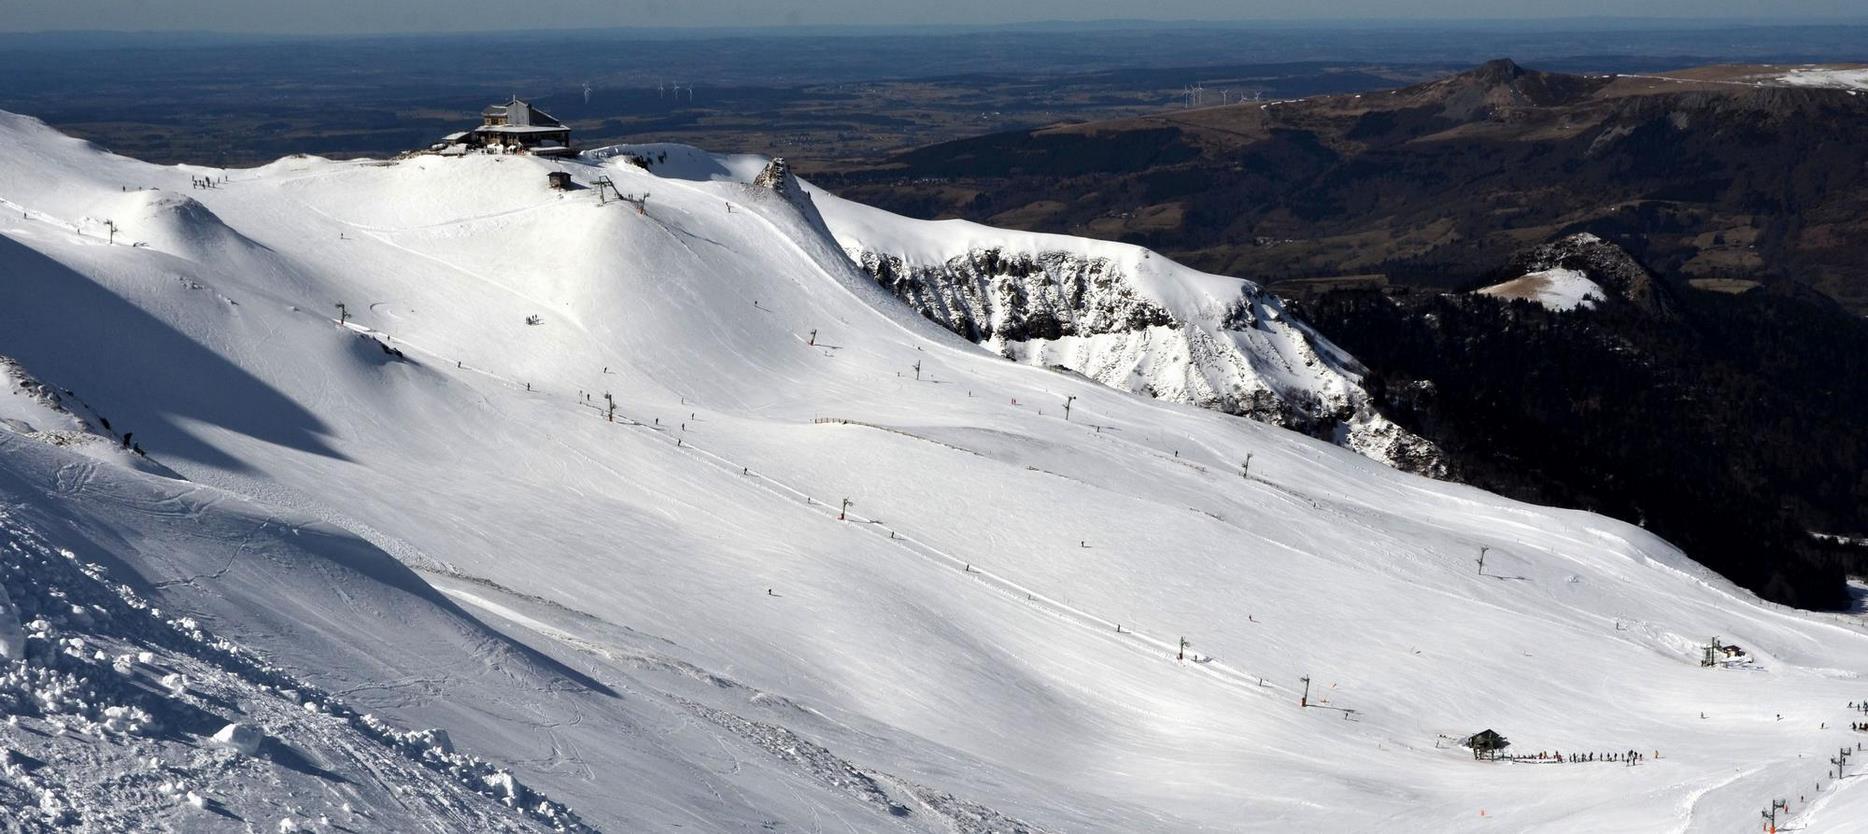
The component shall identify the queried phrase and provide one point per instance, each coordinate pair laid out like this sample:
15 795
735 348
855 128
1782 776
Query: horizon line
807 29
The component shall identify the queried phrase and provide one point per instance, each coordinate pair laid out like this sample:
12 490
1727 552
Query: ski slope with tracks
669 617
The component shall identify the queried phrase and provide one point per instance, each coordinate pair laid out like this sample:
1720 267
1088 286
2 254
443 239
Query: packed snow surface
1846 79
1557 289
667 615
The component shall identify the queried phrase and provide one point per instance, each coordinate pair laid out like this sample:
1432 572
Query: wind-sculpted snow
666 510
1129 320
110 701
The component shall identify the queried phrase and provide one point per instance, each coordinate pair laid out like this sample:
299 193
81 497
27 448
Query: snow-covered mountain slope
1128 319
661 619
116 708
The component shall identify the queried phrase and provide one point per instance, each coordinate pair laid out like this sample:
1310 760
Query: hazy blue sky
359 16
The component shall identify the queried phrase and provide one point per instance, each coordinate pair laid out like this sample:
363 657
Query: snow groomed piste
655 617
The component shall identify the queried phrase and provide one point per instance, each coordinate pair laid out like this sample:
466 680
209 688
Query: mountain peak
1601 261
1503 82
1498 71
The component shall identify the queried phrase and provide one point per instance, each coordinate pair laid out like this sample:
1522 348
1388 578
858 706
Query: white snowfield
1842 78
1556 289
660 621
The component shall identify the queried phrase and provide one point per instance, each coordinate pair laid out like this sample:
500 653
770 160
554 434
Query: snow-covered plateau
477 505
1842 78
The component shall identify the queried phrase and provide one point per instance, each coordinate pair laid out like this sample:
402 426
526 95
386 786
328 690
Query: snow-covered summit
1556 288
1579 271
565 477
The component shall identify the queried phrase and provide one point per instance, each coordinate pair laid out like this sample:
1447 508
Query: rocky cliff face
1088 314
993 296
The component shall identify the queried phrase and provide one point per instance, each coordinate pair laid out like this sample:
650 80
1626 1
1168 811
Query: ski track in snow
823 507
1015 687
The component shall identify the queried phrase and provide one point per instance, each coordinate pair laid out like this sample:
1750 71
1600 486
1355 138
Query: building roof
1488 738
521 114
522 129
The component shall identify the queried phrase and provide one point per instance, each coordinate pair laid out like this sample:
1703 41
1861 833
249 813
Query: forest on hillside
1734 431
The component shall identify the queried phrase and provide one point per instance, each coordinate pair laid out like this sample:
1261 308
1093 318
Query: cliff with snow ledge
1128 319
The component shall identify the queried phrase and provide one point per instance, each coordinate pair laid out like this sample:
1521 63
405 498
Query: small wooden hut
1485 744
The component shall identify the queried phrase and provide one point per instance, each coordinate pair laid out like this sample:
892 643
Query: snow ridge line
1224 673
32 214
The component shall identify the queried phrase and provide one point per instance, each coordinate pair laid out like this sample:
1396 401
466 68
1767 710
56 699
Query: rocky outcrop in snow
36 409
995 297
1224 345
778 177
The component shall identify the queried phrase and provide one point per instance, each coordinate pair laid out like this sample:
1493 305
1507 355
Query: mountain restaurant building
517 126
